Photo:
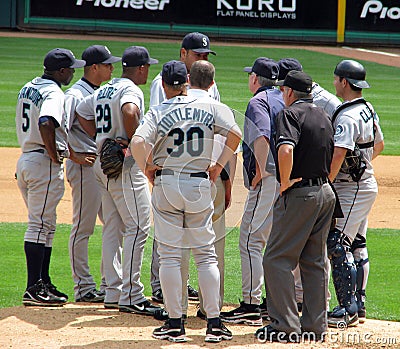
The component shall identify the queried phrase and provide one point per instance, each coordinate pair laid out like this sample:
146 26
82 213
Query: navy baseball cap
135 56
286 65
174 73
297 80
265 67
61 58
197 42
98 54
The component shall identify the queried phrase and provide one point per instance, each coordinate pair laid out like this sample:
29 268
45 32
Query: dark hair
202 74
354 88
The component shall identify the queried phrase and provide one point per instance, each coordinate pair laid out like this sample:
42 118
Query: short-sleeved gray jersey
40 97
78 139
182 129
157 94
324 99
105 105
355 124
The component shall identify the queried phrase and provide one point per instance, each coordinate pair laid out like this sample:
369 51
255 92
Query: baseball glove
354 164
111 158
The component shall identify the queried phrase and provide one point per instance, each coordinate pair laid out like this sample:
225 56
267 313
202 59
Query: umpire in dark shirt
302 215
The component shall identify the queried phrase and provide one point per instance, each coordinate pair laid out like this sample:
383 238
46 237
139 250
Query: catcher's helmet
353 72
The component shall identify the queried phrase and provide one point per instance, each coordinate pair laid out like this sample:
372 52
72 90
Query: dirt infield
91 326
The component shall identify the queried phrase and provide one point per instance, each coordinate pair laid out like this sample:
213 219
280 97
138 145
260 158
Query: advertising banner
271 14
373 16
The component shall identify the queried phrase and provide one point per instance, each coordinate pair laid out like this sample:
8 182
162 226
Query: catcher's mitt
354 164
111 158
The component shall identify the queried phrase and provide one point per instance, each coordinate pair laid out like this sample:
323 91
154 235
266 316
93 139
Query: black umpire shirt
308 129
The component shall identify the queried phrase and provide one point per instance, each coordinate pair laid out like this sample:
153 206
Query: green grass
21 60
383 293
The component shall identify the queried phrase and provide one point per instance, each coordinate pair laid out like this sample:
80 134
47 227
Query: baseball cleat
264 311
143 308
38 295
216 331
340 318
193 295
157 296
362 315
172 330
92 296
248 314
53 290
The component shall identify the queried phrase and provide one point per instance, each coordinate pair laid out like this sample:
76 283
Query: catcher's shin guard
343 271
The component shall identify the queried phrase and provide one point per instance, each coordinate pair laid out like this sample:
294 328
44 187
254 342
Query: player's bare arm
89 126
131 116
228 184
285 160
337 160
47 130
378 148
261 150
232 141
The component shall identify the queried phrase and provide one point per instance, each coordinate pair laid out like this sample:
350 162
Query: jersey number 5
103 118
192 140
25 115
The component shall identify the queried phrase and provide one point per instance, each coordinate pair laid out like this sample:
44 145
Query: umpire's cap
297 80
174 73
197 42
286 65
353 72
135 56
98 54
265 67
61 58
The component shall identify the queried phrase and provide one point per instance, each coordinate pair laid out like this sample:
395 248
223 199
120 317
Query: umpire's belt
310 182
167 172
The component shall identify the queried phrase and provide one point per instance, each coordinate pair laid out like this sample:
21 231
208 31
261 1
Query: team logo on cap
205 43
106 48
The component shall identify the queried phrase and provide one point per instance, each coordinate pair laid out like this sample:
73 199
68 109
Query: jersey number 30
192 140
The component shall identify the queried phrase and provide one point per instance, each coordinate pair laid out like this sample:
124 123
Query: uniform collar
263 88
48 77
94 87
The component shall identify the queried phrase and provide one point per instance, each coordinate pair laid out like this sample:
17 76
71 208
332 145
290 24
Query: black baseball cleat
143 308
216 331
193 295
362 315
53 290
200 315
339 317
92 296
264 311
157 296
248 314
172 330
38 295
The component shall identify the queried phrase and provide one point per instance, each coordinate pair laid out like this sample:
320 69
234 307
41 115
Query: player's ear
183 53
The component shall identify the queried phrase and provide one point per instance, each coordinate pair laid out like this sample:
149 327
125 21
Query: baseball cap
265 67
353 71
197 42
135 56
286 65
97 54
61 58
297 80
174 73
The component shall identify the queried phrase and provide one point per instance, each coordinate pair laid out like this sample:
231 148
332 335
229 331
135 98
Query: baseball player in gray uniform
260 180
41 129
195 46
358 140
180 132
114 111
86 197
